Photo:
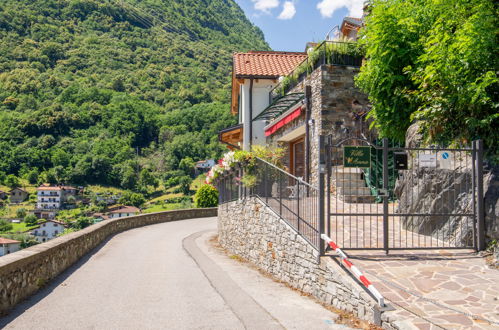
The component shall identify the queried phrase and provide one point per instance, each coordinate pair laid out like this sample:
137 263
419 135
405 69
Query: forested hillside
85 85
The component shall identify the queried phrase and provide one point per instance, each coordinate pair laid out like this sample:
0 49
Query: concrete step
362 191
344 175
358 199
350 183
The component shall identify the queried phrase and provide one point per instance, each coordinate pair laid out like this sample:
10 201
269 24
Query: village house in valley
8 246
51 199
47 230
123 211
18 195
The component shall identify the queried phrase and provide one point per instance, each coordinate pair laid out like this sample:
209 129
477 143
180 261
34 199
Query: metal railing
293 199
337 53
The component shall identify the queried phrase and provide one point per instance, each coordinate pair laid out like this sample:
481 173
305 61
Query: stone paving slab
450 289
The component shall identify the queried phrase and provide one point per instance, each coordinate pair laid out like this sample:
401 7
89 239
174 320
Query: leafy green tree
2 177
148 179
185 184
20 213
32 176
206 196
82 222
12 181
187 165
132 198
5 226
434 62
30 219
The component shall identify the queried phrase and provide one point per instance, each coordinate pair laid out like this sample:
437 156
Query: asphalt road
158 277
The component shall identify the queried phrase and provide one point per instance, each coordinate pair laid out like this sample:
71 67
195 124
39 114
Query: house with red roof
254 75
48 230
289 100
123 211
8 246
50 199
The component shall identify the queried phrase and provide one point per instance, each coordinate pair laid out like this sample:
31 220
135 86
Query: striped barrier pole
358 274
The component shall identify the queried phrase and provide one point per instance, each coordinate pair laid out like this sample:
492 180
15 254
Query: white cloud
328 7
265 5
288 10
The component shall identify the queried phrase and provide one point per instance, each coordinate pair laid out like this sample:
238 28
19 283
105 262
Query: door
298 158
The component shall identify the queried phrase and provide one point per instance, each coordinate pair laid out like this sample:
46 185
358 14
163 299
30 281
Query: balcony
326 53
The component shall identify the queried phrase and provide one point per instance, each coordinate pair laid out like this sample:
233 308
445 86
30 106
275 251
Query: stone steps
361 191
350 183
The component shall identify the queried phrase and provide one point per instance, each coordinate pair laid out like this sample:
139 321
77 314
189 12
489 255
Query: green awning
279 106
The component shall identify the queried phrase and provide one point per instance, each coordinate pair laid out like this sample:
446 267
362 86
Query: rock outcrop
446 191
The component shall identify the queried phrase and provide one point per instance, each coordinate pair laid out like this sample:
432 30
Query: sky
289 24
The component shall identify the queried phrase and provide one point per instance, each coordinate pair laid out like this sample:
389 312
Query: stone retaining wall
250 229
24 272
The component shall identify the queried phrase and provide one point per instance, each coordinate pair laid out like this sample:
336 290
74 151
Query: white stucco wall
9 248
261 89
51 229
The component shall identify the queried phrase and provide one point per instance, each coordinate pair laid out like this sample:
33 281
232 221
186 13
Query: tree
12 181
30 220
5 226
21 213
132 198
435 62
187 165
185 184
32 176
148 179
82 222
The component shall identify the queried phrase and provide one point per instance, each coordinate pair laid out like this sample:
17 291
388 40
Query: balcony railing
337 53
293 199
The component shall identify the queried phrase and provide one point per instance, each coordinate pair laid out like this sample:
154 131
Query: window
55 225
56 232
43 226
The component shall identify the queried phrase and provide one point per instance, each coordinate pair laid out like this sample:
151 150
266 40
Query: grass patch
9 211
198 182
164 197
20 228
98 189
163 207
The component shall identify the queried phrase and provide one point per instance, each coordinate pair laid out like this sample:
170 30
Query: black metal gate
383 196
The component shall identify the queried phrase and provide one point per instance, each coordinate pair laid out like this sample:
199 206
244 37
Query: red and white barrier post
358 274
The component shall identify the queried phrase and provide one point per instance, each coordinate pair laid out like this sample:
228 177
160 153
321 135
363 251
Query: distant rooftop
266 64
8 241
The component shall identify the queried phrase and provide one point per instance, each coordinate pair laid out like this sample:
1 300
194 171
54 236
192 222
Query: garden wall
24 272
250 229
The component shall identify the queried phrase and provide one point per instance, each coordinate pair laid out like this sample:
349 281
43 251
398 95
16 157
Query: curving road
165 276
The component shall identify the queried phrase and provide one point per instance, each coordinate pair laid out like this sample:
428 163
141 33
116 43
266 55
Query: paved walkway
145 279
448 289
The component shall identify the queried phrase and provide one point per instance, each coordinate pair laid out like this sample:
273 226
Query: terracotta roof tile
266 64
8 241
126 209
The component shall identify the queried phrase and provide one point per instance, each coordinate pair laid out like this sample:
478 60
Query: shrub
206 196
30 220
20 213
131 198
5 226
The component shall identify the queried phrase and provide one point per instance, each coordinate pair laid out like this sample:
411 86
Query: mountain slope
84 83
